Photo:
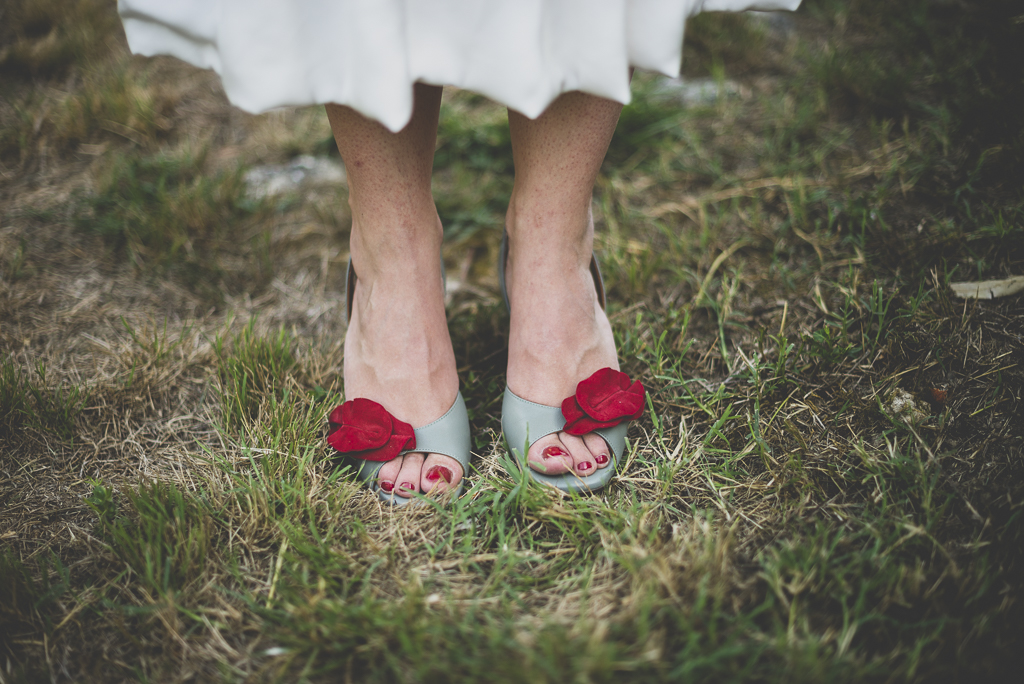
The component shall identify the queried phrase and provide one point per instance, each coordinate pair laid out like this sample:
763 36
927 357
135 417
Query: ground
827 484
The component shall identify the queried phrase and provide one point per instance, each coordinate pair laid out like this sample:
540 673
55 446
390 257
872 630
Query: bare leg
559 333
397 348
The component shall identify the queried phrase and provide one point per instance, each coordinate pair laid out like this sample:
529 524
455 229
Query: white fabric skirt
367 53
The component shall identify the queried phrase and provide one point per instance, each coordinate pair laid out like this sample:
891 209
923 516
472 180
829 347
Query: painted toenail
586 465
439 472
601 458
409 486
387 486
553 452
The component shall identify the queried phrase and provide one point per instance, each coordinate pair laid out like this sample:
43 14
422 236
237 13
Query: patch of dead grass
775 518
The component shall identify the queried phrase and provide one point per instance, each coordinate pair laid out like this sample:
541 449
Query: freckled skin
559 333
397 348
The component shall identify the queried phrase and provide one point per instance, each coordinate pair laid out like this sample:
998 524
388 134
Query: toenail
387 486
439 472
601 458
553 452
409 486
586 465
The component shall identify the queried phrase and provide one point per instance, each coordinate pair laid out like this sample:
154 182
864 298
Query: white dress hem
521 53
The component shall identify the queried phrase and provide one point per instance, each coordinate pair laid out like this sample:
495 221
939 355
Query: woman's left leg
559 332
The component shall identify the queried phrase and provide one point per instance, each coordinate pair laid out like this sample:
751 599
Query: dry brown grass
778 273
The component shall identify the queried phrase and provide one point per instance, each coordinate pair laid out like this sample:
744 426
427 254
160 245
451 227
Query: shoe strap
350 289
524 422
448 435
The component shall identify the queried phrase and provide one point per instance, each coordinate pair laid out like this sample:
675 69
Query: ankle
553 241
549 210
396 250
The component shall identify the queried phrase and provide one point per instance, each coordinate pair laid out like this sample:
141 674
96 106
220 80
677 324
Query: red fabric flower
362 428
603 400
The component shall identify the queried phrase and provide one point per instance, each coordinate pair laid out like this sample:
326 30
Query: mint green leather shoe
448 435
524 422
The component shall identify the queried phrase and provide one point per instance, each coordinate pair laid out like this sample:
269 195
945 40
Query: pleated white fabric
367 53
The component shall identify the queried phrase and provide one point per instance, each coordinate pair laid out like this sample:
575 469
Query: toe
439 473
408 479
598 448
583 463
387 476
549 456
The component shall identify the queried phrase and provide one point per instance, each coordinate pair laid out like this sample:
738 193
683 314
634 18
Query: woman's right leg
397 349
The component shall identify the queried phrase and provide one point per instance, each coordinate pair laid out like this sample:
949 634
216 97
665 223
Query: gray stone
696 91
776 24
301 173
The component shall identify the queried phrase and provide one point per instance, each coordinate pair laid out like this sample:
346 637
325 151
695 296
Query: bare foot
398 353
560 335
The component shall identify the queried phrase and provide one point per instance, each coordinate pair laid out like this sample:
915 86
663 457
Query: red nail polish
387 486
586 465
601 458
553 452
408 486
439 472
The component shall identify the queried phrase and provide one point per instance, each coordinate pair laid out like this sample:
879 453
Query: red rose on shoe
603 400
362 428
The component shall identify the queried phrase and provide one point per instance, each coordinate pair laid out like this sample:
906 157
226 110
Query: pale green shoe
524 422
448 435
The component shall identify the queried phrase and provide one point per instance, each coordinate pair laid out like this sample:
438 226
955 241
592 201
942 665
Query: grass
165 213
252 368
826 485
48 38
472 171
165 547
27 404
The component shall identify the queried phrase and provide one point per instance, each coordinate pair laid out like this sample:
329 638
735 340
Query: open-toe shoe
367 436
604 404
